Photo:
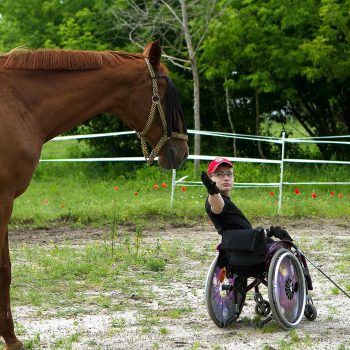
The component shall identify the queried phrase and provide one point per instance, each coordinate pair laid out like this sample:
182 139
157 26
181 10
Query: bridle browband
156 105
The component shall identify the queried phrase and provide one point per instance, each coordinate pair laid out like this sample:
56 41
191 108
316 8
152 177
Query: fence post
173 185
281 174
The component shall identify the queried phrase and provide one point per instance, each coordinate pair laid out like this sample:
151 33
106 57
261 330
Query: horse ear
153 52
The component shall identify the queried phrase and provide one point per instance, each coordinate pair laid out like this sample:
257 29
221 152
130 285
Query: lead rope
324 274
156 104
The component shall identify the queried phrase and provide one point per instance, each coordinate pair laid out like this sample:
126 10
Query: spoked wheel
224 296
286 289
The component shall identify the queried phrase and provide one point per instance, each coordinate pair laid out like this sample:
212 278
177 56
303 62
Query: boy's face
223 176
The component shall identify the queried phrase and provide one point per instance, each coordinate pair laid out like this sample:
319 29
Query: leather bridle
156 106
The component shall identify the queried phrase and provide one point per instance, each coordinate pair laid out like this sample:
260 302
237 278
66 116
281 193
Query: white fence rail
282 141
182 181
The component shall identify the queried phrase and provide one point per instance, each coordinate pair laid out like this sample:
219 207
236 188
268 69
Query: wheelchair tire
219 295
310 312
263 309
286 289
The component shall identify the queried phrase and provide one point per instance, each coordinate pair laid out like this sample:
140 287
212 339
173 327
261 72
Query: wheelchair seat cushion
246 240
244 247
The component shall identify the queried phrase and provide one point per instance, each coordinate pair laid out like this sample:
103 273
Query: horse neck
59 101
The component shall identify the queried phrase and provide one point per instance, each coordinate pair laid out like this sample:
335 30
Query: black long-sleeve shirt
231 216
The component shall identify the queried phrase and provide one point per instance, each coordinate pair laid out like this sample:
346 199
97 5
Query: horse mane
55 59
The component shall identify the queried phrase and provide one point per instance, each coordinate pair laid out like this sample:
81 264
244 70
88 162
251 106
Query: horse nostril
185 156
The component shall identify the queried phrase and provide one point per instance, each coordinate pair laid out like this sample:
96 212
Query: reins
167 134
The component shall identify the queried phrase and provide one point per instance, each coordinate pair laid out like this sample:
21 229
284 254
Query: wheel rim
287 290
220 297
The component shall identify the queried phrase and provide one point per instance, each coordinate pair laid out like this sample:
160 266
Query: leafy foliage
276 58
295 55
81 24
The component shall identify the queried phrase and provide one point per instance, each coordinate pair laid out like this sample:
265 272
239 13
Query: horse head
160 120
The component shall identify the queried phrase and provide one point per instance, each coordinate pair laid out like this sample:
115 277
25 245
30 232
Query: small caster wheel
310 312
263 308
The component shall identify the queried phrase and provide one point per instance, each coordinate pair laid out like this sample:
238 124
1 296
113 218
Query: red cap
216 162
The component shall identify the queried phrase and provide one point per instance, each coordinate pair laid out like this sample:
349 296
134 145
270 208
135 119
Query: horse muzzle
173 154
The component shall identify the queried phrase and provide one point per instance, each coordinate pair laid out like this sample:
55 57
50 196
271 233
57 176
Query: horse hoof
16 346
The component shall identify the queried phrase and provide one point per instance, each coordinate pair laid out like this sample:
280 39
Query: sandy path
194 330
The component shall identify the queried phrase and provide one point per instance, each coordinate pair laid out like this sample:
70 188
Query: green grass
295 341
176 313
87 194
76 195
51 275
61 281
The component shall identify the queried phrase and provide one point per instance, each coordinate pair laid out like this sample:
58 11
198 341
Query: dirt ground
195 330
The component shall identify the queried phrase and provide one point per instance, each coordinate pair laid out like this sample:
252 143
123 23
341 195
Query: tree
83 24
273 58
294 56
235 52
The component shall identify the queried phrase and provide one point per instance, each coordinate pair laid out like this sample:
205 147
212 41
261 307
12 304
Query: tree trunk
196 93
257 123
197 118
228 110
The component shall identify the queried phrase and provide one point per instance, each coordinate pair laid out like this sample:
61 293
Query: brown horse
46 92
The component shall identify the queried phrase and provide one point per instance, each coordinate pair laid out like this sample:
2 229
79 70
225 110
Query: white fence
282 141
182 181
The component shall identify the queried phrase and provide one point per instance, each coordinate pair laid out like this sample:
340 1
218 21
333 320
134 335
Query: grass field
84 194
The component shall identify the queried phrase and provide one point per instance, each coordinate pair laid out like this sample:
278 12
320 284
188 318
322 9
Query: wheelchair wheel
286 289
224 295
263 309
310 312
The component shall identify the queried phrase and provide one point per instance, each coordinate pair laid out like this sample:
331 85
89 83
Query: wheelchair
285 274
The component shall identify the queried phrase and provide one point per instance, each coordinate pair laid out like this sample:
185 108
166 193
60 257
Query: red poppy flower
332 193
116 188
62 205
136 193
313 195
183 189
155 186
296 191
272 193
46 201
164 185
340 195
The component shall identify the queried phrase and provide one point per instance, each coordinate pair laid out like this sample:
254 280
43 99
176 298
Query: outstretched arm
216 202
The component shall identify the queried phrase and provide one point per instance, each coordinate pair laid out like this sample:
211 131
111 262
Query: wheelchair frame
286 277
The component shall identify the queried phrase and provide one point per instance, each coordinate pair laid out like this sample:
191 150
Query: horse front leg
6 321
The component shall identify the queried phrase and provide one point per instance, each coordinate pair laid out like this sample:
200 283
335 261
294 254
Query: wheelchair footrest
232 319
262 323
